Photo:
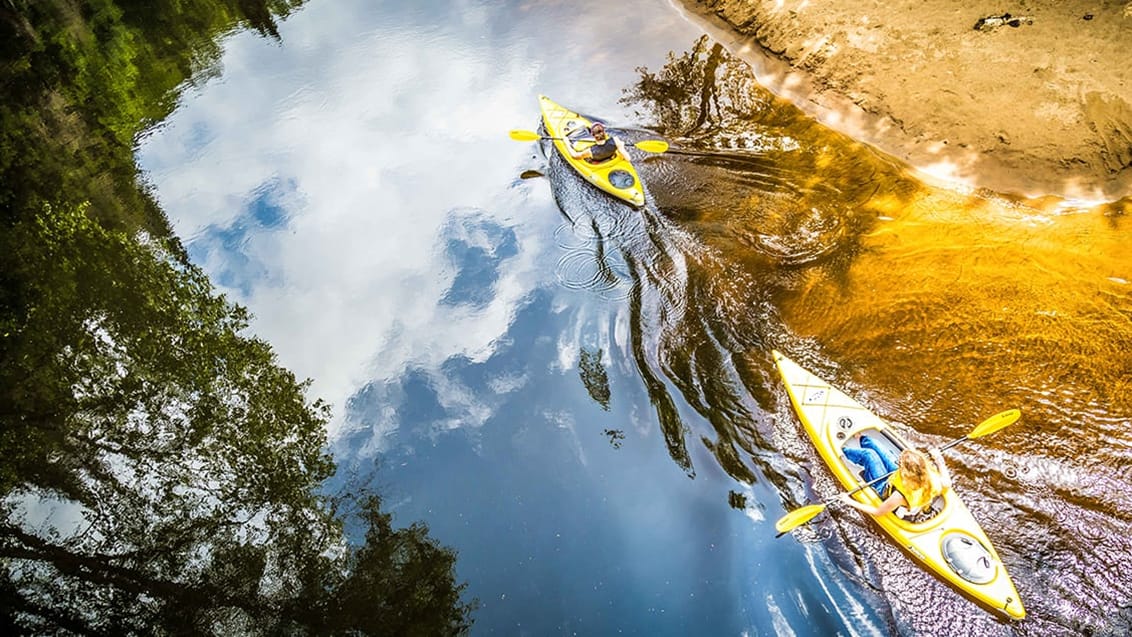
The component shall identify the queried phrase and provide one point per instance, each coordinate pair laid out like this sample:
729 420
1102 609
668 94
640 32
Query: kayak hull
950 544
616 176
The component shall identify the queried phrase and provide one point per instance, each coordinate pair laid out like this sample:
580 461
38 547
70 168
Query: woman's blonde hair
916 472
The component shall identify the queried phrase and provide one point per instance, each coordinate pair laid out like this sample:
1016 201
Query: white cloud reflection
381 152
313 179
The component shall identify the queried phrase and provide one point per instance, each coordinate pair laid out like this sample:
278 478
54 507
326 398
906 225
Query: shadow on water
934 307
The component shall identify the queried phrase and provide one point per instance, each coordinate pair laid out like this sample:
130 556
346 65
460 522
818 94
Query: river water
579 397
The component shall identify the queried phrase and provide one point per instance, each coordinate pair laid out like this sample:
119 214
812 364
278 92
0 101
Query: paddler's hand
848 499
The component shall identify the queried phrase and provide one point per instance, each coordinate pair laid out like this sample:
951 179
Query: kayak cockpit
580 138
891 445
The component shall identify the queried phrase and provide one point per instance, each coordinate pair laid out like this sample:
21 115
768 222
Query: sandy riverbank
1040 108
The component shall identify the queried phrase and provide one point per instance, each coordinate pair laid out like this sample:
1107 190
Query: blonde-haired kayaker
914 485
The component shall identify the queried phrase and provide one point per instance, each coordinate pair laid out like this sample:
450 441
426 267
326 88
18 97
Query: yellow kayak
615 176
949 543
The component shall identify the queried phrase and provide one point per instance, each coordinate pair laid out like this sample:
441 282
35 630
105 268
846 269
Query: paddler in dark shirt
604 148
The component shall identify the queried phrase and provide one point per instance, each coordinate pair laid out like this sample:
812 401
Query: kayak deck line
950 544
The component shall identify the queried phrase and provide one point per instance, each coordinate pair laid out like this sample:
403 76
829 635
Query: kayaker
604 148
915 483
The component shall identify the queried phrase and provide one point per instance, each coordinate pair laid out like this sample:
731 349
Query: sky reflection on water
354 186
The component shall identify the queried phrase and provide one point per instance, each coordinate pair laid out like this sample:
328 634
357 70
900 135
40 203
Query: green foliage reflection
160 473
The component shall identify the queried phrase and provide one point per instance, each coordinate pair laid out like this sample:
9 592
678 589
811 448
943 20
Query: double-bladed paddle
800 516
649 145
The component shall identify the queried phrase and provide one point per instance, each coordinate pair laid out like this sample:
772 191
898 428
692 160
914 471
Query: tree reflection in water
161 472
594 377
181 464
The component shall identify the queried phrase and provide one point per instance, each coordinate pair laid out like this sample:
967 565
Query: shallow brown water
961 306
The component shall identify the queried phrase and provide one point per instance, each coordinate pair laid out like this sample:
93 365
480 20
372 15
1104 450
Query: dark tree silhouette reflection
594 377
160 472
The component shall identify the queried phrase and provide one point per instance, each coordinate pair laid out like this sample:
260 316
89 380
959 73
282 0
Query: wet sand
1037 104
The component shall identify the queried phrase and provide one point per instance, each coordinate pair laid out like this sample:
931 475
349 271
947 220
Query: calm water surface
578 397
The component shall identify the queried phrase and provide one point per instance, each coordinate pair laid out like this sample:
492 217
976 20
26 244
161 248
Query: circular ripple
581 269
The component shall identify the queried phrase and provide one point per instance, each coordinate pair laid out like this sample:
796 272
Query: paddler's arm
944 474
888 506
576 154
621 149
